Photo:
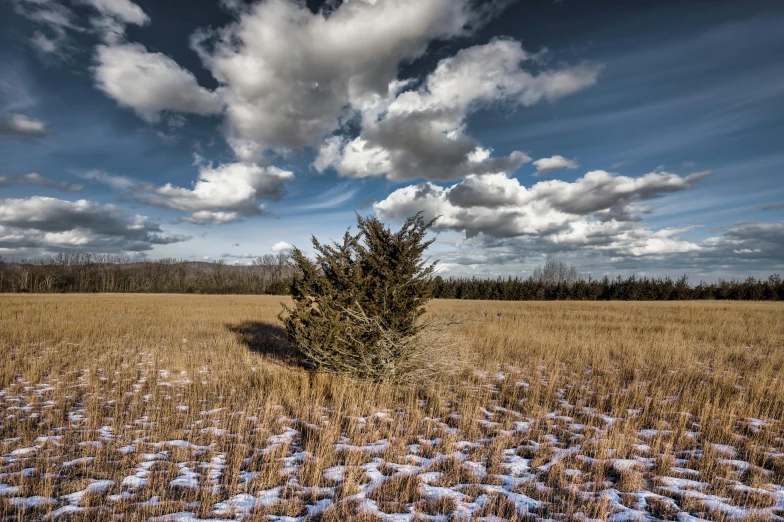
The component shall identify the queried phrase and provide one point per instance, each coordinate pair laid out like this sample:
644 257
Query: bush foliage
357 307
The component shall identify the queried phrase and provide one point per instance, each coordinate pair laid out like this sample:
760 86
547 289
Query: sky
621 137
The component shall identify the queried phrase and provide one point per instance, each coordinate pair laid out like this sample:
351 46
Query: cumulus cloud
124 11
611 195
593 221
33 178
115 182
232 187
500 206
54 224
21 126
147 82
281 246
289 77
595 211
741 248
112 17
421 133
553 163
221 194
289 73
150 83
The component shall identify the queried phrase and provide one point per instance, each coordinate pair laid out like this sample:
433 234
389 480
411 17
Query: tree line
273 274
69 272
631 288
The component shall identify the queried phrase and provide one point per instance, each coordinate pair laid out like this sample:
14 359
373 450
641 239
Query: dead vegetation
148 406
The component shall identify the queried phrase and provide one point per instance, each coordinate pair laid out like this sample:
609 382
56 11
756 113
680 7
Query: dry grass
564 410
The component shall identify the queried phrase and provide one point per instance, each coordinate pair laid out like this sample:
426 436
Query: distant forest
271 274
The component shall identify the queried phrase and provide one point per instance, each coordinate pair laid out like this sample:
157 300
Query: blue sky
640 137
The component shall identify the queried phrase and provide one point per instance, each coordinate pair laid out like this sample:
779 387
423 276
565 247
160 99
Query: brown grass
216 372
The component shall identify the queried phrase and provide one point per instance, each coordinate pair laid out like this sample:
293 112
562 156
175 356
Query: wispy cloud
332 198
33 178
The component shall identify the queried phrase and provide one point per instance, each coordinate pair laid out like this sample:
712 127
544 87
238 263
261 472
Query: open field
169 407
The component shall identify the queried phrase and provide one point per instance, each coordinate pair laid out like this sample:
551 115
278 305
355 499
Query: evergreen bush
358 307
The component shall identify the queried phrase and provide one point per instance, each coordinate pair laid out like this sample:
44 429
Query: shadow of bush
267 339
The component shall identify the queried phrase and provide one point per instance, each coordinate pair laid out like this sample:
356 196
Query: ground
182 408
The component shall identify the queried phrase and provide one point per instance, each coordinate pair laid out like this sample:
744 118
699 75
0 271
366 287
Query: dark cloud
19 126
595 212
54 224
601 191
498 206
238 256
34 178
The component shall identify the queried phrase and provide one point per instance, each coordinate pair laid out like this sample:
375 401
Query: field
182 408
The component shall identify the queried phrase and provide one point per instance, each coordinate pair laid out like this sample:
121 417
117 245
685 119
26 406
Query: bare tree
556 272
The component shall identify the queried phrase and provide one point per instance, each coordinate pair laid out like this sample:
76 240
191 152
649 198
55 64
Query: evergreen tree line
273 274
631 288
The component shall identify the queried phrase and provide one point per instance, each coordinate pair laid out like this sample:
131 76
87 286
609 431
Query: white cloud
600 191
289 73
115 182
21 126
329 153
491 204
289 77
147 82
547 165
231 186
54 224
421 133
150 83
113 16
239 256
595 211
220 194
613 247
124 11
203 217
281 246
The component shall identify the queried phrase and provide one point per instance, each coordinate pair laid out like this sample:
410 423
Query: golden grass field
182 408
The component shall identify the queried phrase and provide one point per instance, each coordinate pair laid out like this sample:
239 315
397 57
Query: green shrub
358 306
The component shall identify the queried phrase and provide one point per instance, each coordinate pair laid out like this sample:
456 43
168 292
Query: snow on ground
550 468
